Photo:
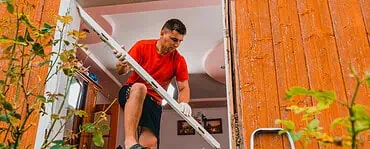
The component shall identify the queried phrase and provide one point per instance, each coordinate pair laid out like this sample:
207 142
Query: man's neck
159 49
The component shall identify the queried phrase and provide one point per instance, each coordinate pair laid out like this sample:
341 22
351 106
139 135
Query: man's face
170 40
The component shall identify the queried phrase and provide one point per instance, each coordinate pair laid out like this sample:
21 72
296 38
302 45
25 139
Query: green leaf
10 8
2 96
324 98
296 109
45 30
66 42
21 41
59 142
25 19
296 91
7 106
80 113
6 41
44 63
282 131
104 128
313 125
42 98
9 48
362 125
295 136
360 111
287 123
67 71
56 146
338 121
28 36
88 127
98 139
2 146
15 114
64 57
2 82
38 49
303 91
47 25
4 118
55 116
367 78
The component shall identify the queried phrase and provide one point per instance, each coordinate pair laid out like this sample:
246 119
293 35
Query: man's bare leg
132 112
148 139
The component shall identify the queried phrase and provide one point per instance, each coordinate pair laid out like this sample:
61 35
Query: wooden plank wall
42 11
309 43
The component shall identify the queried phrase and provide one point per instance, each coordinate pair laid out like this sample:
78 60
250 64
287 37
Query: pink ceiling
150 6
214 63
98 12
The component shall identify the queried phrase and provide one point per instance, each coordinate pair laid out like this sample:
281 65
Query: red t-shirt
161 67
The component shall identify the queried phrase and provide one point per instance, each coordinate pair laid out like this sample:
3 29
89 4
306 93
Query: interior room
128 21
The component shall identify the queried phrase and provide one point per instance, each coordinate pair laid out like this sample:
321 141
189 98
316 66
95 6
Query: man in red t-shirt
141 104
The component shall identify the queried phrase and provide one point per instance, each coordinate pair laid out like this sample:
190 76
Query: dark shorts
151 113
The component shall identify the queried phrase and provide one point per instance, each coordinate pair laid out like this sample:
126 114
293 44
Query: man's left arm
184 97
184 91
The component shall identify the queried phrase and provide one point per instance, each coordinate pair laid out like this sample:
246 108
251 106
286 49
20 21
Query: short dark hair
175 24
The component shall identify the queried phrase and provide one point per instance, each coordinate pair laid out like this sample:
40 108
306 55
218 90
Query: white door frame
57 83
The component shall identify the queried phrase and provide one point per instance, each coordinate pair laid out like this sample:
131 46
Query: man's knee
139 87
150 142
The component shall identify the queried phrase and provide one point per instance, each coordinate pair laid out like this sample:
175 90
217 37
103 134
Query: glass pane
73 97
74 93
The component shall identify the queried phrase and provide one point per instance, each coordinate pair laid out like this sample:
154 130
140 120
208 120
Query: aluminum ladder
260 130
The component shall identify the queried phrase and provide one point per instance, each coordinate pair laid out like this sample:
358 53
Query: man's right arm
122 67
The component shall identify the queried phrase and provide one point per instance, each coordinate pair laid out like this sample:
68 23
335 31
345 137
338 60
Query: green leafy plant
356 123
23 49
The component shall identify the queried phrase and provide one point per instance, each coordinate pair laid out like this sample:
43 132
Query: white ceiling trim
151 6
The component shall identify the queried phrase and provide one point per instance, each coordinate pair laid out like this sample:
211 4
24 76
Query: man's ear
162 32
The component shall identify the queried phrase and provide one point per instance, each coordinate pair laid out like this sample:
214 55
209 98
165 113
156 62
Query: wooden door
278 44
89 107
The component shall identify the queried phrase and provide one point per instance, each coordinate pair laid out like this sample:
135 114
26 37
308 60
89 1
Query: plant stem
60 129
9 68
99 119
352 115
13 50
69 81
56 59
20 130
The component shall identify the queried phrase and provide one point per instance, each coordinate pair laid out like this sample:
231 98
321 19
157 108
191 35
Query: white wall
169 138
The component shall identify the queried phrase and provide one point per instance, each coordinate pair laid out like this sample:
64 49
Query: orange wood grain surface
258 86
289 56
365 9
353 46
309 43
41 11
